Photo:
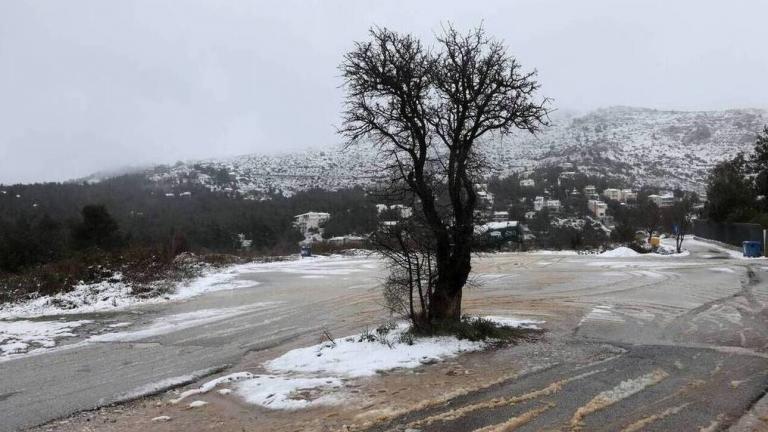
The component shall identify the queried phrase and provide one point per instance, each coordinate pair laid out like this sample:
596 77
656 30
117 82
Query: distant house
598 208
627 195
553 205
530 215
500 216
612 194
590 190
401 211
311 225
662 201
500 232
538 203
527 183
243 242
348 241
185 194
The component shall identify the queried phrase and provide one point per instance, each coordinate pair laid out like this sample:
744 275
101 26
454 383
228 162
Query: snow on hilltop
645 146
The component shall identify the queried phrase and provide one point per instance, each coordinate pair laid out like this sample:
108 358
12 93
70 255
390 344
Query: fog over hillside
645 146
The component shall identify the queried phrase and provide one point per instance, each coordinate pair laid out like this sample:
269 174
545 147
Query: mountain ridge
645 146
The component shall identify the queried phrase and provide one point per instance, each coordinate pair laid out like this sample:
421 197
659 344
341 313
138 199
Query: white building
613 194
500 216
553 205
311 224
527 183
530 215
244 242
590 190
598 208
628 195
662 200
402 211
538 203
347 240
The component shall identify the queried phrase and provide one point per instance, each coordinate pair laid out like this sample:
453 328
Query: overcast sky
96 85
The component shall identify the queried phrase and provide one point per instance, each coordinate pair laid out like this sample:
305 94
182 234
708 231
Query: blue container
752 249
306 251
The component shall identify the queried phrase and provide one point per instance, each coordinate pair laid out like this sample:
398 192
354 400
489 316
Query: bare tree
409 249
426 110
679 218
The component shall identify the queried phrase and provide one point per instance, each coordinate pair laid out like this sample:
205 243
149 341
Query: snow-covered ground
316 375
625 252
737 254
21 337
115 294
355 357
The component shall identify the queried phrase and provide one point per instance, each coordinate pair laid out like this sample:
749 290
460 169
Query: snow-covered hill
645 146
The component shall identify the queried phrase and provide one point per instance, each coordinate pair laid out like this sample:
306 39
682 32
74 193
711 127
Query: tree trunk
453 271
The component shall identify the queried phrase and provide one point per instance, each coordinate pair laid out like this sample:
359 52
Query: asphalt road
692 330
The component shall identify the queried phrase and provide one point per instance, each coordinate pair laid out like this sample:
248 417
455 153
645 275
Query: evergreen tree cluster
41 223
737 188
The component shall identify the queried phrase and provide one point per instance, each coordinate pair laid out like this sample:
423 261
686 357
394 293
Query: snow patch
166 383
601 313
515 322
210 385
304 377
722 269
115 294
355 357
620 252
19 337
280 392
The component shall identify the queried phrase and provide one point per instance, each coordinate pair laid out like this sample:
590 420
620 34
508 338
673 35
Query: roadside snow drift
116 294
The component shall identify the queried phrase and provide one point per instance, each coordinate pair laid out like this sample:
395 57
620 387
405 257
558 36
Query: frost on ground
116 294
19 337
320 266
180 321
314 375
